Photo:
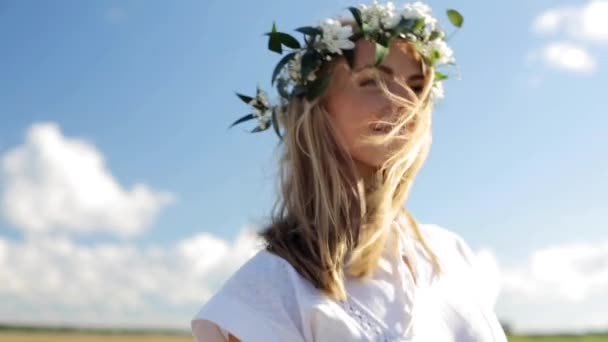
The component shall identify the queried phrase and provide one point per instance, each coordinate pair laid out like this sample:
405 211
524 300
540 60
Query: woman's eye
418 90
368 83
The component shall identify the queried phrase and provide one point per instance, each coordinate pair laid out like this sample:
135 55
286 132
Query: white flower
263 117
293 71
258 113
446 55
378 15
419 10
262 98
416 10
390 17
437 92
335 36
409 36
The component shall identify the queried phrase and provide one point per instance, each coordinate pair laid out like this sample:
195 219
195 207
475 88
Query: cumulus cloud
51 280
57 183
586 22
570 273
55 187
559 288
581 25
46 279
570 57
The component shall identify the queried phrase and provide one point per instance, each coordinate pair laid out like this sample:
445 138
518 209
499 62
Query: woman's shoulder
262 265
261 279
479 271
257 299
447 243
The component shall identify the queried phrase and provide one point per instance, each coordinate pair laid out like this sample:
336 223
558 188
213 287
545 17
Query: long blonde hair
323 222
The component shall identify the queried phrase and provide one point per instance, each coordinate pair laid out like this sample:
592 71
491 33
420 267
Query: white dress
267 300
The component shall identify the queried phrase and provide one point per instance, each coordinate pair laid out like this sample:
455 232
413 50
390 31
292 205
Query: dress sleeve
255 304
484 271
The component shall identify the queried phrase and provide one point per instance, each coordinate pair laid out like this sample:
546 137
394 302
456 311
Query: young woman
344 260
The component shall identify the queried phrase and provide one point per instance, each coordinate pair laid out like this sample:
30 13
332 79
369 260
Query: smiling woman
358 106
343 259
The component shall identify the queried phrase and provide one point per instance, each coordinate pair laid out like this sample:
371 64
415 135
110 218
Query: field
75 337
596 338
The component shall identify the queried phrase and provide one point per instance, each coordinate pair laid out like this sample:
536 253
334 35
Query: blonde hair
323 222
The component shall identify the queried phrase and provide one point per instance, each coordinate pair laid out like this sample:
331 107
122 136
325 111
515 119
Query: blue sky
517 167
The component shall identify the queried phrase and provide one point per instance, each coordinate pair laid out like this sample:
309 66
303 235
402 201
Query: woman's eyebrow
381 67
387 70
418 77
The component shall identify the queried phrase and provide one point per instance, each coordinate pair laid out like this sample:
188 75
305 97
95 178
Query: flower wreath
299 72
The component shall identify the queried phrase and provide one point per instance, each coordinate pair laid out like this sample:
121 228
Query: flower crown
300 73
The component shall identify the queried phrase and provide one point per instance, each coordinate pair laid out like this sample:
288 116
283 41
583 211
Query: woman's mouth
381 128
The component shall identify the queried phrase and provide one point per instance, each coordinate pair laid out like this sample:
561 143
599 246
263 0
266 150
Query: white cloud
51 280
586 22
53 182
560 288
571 273
552 20
568 56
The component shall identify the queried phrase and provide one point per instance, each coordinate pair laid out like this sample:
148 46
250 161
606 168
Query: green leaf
274 42
404 25
357 15
259 107
418 25
310 33
440 76
381 52
281 88
435 55
349 54
245 98
309 30
275 123
367 30
299 90
316 88
260 129
310 62
455 17
243 119
435 35
384 40
281 65
288 40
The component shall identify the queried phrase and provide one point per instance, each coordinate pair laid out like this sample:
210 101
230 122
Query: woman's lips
381 128
384 128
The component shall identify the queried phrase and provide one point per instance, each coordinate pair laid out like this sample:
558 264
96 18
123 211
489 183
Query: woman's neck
365 173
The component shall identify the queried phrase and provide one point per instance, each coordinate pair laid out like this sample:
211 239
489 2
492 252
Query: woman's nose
390 112
400 89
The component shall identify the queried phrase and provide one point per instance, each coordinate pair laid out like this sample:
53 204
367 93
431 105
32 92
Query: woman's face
354 99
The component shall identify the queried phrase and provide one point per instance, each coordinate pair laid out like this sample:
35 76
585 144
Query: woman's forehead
402 56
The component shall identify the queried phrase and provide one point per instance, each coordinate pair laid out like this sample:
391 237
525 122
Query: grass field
560 339
74 337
